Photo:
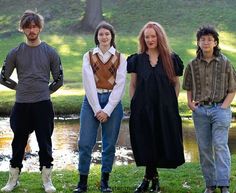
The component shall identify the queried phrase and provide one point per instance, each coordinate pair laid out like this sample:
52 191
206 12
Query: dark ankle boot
82 184
155 185
104 182
224 189
143 187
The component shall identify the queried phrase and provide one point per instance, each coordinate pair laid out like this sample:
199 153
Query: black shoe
105 187
82 184
143 187
210 189
104 183
80 189
155 185
224 189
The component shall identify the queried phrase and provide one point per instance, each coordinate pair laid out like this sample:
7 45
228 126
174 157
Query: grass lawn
124 179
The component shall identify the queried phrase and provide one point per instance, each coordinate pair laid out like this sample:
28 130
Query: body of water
65 145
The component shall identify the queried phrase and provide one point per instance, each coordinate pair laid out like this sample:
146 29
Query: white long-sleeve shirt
90 85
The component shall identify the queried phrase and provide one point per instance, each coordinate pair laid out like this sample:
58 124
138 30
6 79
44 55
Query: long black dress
155 123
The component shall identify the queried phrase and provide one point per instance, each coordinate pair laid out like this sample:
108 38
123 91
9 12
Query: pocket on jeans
224 109
224 116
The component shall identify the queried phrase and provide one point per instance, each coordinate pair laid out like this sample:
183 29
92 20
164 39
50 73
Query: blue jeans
212 128
88 133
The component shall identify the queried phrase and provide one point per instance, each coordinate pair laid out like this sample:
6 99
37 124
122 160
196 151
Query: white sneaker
47 182
12 182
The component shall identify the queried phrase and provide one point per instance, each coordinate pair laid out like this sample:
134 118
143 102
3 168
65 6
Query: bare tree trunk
93 15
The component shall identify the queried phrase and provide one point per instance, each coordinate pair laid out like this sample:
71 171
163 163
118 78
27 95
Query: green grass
128 16
185 179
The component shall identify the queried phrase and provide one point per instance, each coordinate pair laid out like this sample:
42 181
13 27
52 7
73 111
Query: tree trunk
93 15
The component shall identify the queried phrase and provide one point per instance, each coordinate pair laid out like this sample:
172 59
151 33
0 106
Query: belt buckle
210 103
207 103
103 90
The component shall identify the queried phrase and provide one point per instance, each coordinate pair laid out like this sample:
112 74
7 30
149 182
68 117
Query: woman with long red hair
155 123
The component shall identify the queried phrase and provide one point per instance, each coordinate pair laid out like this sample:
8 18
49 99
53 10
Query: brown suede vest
104 73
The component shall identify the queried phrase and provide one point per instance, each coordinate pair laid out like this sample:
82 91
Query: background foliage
180 18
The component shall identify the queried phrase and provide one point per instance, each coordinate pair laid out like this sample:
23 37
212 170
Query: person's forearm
177 87
228 100
55 85
131 91
9 83
5 76
132 86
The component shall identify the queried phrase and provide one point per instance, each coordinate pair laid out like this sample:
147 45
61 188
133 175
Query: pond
65 151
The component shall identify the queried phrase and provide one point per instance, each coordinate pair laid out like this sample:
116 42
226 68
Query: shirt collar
111 50
200 57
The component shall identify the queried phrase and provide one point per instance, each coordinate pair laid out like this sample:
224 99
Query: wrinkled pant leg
221 119
20 125
202 123
43 116
110 132
87 136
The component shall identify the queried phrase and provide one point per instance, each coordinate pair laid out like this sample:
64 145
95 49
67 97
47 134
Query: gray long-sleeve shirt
33 66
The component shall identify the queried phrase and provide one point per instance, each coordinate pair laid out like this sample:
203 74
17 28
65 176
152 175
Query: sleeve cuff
108 109
96 109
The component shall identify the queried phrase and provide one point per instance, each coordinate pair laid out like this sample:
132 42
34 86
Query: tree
93 15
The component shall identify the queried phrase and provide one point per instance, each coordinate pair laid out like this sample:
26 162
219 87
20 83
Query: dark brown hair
208 30
107 26
28 17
